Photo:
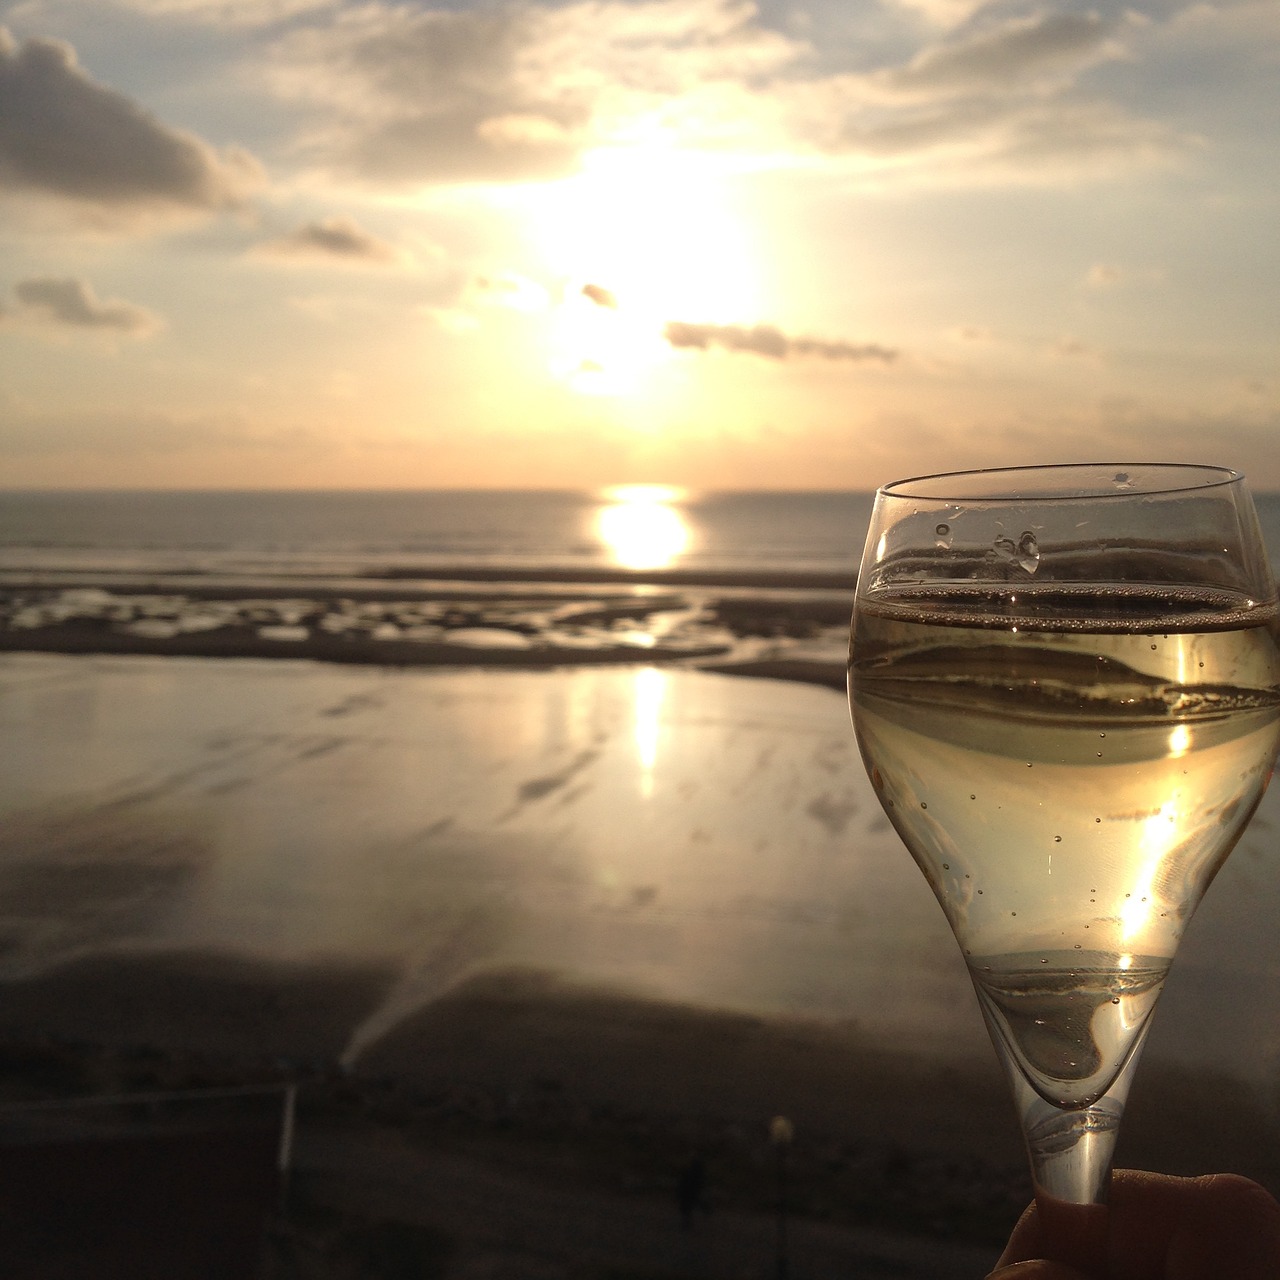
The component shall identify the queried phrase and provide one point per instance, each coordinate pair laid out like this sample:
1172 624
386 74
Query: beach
542 876
570 923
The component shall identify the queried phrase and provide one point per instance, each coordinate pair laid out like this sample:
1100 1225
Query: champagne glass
1065 683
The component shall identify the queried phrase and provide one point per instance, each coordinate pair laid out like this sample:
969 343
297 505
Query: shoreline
394 579
71 641
791 633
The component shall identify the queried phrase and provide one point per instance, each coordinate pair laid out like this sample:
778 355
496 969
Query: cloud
338 239
233 13
72 304
975 333
944 13
417 95
1072 348
427 95
511 290
765 340
1110 275
1006 102
601 296
1023 52
431 95
64 135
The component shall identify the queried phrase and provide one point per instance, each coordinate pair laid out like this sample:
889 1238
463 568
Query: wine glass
1065 683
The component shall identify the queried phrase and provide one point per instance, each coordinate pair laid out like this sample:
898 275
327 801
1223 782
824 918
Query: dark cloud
331 239
765 340
65 135
601 296
73 303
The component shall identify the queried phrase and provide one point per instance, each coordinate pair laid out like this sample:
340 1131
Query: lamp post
781 1132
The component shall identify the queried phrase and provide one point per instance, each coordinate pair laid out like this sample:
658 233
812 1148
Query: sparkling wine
1068 793
1068 1020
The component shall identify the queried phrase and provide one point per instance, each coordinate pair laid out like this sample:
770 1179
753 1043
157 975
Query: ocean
439 577
260 534
354 534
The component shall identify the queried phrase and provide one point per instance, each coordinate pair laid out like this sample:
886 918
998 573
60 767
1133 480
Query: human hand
1219 1227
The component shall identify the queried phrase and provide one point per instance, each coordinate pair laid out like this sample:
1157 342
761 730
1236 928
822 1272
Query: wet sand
504 619
565 923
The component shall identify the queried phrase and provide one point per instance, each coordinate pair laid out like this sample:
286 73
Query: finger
1072 1235
1024 1239
1184 1228
1219 1225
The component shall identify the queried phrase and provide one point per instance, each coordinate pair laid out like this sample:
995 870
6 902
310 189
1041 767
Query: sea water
423 532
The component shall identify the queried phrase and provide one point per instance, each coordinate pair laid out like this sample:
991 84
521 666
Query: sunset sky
714 243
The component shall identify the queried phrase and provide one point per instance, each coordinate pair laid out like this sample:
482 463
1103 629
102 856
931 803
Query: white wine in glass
1065 683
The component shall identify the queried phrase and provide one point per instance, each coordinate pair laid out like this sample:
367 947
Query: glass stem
1070 1150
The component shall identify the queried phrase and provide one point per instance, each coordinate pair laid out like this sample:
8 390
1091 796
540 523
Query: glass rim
1210 477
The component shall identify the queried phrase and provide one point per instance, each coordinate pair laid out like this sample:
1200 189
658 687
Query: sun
642 525
641 237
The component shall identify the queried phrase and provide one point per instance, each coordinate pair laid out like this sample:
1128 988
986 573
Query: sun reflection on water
642 526
650 689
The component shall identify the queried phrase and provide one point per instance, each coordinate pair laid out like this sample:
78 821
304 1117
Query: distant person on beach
1218 1227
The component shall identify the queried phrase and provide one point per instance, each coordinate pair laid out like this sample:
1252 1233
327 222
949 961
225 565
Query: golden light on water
642 526
650 689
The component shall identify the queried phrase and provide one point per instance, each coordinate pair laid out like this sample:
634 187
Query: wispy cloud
73 304
765 340
1072 348
511 290
944 13
601 296
63 134
1111 275
1007 100
1104 275
1039 52
338 239
234 13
